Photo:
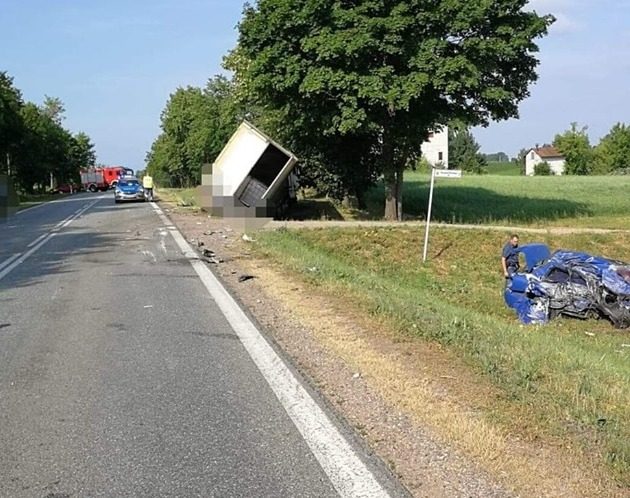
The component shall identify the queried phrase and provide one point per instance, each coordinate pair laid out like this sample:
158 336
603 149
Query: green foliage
10 120
613 151
574 145
463 150
196 124
497 157
542 169
347 74
33 143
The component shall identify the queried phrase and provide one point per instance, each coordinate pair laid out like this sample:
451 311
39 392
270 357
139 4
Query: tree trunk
393 194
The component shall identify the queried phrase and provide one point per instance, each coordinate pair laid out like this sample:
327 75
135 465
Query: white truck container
253 176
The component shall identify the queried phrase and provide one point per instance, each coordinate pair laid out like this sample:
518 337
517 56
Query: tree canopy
196 123
33 143
574 145
381 74
463 150
613 151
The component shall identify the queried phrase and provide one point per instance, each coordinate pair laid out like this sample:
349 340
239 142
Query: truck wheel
93 188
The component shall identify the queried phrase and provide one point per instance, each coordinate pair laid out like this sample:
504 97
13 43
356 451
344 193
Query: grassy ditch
569 380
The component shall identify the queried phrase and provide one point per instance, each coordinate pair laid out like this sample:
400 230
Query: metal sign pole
426 228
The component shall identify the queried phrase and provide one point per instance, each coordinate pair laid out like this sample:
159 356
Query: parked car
128 189
569 283
67 188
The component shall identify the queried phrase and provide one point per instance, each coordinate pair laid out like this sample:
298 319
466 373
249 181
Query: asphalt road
119 374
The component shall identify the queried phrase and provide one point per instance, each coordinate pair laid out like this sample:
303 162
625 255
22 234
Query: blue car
128 189
569 283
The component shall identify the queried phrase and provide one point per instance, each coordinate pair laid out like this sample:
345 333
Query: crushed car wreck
569 283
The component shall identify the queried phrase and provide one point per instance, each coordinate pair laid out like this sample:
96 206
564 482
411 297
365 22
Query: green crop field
504 169
572 201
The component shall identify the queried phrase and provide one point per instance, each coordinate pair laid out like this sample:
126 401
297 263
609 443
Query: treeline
355 88
610 156
35 149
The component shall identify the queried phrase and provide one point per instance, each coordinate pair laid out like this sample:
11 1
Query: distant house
546 153
435 149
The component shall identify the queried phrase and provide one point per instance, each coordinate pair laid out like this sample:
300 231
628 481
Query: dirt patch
414 403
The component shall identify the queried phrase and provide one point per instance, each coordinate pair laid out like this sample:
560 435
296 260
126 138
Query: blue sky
115 63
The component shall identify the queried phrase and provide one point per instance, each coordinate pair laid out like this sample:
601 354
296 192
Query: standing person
509 256
147 184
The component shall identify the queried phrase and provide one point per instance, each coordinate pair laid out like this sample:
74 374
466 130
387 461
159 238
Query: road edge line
345 469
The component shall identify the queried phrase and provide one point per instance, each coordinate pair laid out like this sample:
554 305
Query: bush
542 169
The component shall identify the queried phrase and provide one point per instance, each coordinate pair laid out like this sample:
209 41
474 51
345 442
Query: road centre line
36 245
348 474
37 240
9 260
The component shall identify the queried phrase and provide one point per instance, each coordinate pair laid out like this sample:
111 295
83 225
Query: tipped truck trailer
252 176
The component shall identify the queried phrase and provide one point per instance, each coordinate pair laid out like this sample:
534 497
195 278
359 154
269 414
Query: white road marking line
346 471
46 238
9 268
9 260
37 240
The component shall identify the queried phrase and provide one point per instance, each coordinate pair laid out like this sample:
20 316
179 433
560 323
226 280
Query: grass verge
568 381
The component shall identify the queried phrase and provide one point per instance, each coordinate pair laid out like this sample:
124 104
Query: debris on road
243 278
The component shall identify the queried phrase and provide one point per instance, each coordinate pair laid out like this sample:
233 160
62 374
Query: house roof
548 152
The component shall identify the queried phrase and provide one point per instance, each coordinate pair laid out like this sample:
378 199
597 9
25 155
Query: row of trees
610 155
34 145
354 88
196 123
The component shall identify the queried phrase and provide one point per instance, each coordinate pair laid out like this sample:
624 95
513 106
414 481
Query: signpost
436 173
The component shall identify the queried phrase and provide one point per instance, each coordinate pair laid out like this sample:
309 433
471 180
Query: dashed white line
348 474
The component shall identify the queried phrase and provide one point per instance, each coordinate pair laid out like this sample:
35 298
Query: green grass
182 197
29 200
569 379
504 169
598 201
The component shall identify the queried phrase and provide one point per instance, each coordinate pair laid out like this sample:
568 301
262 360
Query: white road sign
436 173
448 173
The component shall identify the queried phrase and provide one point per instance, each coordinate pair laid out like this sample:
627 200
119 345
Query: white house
546 153
435 149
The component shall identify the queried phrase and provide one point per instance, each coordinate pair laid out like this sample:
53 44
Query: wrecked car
569 283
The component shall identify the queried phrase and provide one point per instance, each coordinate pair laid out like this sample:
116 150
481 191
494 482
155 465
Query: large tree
576 148
390 70
613 151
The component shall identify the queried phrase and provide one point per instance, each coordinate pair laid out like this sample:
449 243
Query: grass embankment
580 201
568 381
181 197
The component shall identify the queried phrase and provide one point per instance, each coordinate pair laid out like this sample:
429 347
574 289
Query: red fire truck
103 177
